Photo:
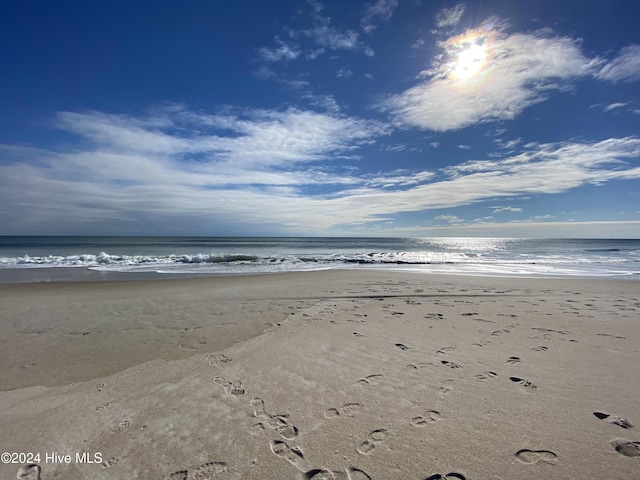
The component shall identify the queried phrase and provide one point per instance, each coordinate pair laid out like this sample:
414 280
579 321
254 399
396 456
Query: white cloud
504 75
464 147
263 72
240 168
326 102
260 137
344 73
295 84
333 39
399 178
328 37
613 106
506 209
508 145
449 218
625 67
381 11
450 17
313 54
283 52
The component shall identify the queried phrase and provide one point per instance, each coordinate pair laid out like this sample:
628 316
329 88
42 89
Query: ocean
86 258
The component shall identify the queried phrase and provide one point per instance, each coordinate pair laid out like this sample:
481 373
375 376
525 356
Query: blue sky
386 117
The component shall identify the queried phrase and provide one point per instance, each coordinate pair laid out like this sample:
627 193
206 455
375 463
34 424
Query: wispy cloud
399 178
325 102
310 43
449 219
344 72
625 67
613 106
328 37
259 168
506 209
486 74
263 72
331 38
450 17
381 11
284 51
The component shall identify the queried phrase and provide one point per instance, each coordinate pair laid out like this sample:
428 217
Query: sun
469 61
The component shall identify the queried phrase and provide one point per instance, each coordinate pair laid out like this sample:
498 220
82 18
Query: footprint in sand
370 379
498 333
446 386
481 377
278 423
523 382
217 359
110 463
122 425
612 336
230 388
319 474
401 346
541 348
101 407
613 419
29 472
513 360
350 473
446 476
347 410
626 447
179 475
483 320
205 471
450 364
357 474
420 421
534 456
292 455
444 350
374 438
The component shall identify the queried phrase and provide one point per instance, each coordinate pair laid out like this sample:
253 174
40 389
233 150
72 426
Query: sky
308 118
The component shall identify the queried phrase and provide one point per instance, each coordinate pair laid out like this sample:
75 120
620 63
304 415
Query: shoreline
27 275
363 373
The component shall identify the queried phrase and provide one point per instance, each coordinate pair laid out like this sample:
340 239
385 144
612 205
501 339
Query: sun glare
468 55
469 62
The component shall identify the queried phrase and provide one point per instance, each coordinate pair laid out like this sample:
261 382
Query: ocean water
189 256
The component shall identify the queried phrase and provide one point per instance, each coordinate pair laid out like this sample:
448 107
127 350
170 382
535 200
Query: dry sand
338 374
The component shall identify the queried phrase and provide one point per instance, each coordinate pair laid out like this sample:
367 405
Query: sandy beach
333 374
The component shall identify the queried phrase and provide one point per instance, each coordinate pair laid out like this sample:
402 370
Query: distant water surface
189 256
